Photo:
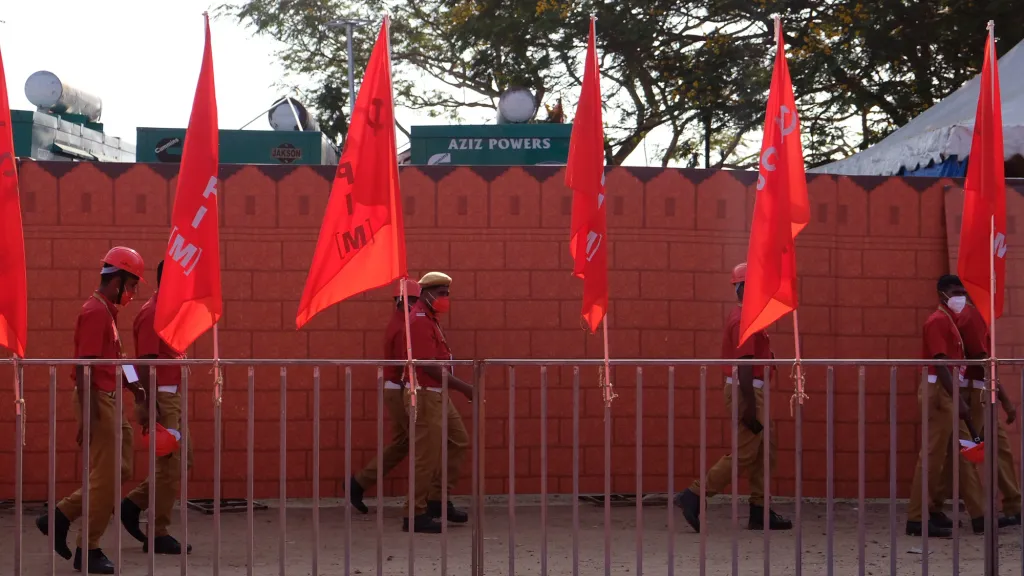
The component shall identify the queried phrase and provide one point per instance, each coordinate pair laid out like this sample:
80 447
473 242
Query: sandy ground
528 540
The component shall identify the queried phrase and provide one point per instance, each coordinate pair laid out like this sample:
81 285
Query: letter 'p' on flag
781 209
983 231
190 293
14 291
362 239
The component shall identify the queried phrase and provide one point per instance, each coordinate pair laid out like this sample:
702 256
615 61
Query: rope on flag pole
797 374
604 372
410 368
218 374
19 399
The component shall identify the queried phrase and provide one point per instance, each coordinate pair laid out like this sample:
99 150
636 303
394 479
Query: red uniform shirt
394 345
96 337
757 346
149 343
942 337
974 333
428 342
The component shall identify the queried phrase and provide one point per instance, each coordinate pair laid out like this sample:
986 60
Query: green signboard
241 146
491 144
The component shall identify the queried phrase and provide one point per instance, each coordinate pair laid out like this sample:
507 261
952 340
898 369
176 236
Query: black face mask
739 291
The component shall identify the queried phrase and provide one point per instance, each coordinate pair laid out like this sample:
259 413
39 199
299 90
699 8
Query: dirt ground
528 540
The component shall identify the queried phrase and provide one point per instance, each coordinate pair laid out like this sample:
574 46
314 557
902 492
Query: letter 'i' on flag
781 209
362 239
190 293
985 196
14 291
584 174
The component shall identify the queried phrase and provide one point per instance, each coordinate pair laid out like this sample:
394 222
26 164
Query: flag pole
607 384
992 244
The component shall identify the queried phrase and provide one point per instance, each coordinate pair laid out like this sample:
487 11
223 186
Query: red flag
781 210
584 173
362 239
14 294
985 197
190 297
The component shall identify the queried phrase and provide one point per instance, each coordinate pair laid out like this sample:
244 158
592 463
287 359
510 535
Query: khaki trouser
168 468
940 438
102 480
458 441
1007 476
749 455
398 448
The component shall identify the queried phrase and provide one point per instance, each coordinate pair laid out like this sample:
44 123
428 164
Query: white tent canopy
946 129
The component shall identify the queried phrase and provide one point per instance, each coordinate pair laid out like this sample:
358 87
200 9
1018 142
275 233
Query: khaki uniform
102 479
168 468
398 448
749 456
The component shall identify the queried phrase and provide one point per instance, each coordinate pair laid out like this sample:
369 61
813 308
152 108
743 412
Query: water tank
46 91
282 117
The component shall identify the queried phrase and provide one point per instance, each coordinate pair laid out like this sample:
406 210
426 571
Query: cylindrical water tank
47 92
282 117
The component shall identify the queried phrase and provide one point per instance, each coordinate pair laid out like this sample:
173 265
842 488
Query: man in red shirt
394 400
148 345
976 346
429 343
942 341
96 336
750 435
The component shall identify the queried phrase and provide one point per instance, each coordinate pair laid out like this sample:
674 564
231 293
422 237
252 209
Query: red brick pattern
868 263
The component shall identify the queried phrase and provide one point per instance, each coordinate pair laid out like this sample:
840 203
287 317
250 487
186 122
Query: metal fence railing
553 470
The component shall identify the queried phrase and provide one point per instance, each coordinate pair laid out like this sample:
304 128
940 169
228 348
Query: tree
692 72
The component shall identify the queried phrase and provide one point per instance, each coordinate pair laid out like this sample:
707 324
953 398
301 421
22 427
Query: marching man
750 439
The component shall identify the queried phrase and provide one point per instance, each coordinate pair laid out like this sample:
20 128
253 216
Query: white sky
142 58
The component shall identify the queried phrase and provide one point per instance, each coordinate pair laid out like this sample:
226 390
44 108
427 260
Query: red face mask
441 304
126 297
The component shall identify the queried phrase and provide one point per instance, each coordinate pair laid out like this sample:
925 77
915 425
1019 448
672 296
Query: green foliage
860 69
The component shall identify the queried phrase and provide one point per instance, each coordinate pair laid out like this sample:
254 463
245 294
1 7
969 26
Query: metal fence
657 548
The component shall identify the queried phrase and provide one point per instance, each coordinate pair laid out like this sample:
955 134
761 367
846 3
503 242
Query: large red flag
584 174
985 196
190 294
781 210
14 294
362 239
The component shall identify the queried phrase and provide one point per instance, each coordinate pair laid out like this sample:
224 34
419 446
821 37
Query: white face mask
957 303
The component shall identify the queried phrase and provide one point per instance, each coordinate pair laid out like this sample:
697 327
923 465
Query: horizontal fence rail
547 476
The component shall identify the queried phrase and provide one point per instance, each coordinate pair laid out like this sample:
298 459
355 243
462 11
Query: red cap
412 288
123 258
166 440
739 273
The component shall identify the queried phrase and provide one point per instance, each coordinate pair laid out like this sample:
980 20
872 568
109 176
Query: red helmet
412 288
123 258
739 273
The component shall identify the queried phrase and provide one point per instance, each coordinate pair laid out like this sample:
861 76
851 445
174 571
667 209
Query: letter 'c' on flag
190 300
362 239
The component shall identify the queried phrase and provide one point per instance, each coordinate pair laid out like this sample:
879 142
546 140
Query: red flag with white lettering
14 294
985 197
362 239
584 174
781 210
190 293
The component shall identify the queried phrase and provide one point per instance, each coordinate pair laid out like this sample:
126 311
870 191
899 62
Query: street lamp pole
349 26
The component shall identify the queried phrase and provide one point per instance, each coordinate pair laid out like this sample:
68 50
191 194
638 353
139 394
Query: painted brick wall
868 262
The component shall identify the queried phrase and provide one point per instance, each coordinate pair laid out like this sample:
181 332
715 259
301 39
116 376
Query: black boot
130 514
1011 520
165 545
423 523
98 561
934 531
355 495
978 524
61 526
689 502
941 520
454 514
775 521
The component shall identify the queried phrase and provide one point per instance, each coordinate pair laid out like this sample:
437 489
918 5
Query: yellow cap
431 279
